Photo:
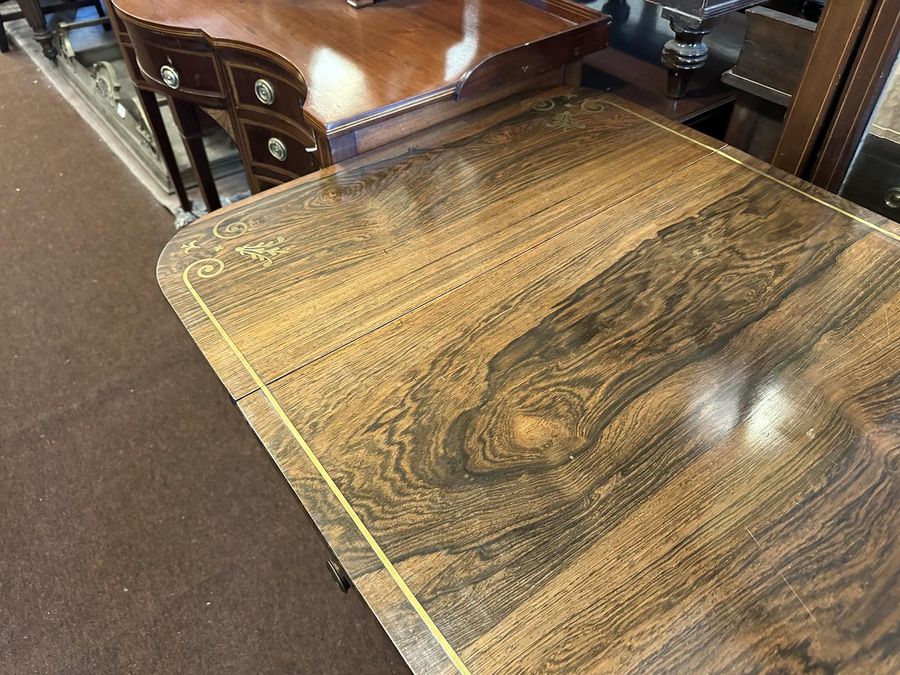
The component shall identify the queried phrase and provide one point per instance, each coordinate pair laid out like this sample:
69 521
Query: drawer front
178 64
273 149
263 91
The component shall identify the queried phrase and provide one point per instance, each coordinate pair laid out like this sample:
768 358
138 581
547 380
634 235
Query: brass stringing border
759 172
208 268
263 252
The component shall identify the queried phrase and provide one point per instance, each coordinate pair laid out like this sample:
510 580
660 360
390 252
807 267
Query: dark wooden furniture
839 33
691 21
305 85
569 388
855 47
873 178
869 71
153 114
766 76
630 65
35 13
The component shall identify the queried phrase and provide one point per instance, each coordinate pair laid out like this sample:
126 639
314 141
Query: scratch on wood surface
784 579
798 597
753 538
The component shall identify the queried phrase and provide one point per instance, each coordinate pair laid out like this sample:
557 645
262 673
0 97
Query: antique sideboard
301 86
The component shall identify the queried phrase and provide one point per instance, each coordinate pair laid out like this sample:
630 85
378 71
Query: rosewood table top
569 388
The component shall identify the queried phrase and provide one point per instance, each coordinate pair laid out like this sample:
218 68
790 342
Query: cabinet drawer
264 91
176 63
286 154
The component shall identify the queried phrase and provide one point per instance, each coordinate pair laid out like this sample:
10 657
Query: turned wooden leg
685 53
164 145
185 114
34 15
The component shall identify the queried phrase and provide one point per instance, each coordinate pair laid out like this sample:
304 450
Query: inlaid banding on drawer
190 60
299 158
250 84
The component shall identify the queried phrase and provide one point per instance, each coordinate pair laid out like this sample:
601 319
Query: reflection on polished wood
560 406
328 82
359 61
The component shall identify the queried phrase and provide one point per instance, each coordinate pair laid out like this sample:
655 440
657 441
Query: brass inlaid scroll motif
207 268
230 229
566 119
189 247
263 252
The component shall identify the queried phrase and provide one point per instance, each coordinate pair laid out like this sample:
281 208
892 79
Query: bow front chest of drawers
302 85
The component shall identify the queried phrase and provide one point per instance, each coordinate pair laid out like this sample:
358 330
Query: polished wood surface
569 388
306 84
360 61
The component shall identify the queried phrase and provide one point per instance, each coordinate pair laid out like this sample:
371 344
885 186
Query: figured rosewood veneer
310 83
558 406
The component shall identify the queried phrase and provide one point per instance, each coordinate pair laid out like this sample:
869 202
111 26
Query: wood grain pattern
616 418
406 245
336 81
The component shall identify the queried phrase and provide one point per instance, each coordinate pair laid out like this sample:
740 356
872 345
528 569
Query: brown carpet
142 527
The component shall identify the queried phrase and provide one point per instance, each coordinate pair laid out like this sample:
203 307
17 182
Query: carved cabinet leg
685 53
38 23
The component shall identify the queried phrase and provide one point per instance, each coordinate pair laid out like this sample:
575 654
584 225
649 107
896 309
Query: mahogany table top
569 388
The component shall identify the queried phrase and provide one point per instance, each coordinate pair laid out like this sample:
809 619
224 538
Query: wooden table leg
34 15
164 144
686 52
185 114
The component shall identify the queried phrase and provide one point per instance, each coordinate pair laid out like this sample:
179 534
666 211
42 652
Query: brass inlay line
212 267
772 178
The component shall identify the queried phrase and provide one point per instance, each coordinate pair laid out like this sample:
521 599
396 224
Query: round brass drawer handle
170 77
892 197
265 92
277 149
